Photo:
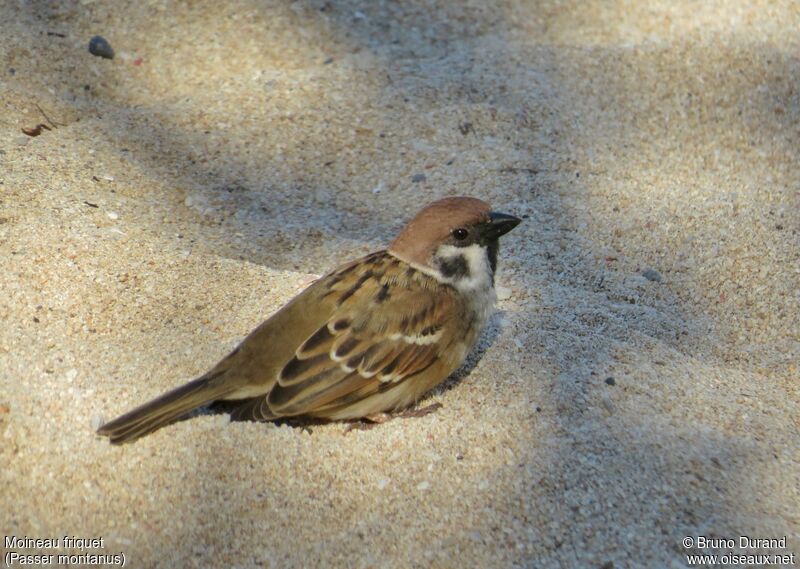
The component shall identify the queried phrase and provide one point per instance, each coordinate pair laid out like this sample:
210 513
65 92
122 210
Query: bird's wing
390 322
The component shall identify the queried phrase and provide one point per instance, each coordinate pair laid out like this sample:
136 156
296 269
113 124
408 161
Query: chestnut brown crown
435 224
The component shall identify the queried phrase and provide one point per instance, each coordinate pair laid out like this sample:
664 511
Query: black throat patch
492 252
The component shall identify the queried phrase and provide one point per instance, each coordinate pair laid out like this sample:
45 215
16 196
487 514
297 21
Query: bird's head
456 240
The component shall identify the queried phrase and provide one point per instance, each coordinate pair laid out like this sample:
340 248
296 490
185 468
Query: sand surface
639 385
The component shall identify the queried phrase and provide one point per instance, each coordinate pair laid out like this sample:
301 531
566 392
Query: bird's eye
460 234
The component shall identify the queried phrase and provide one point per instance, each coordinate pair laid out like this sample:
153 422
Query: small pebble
100 47
417 178
652 275
611 381
382 483
97 421
112 215
423 485
503 292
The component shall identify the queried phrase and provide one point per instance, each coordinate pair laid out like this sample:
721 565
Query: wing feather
360 351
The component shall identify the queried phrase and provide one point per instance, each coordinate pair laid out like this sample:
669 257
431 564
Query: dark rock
652 275
100 47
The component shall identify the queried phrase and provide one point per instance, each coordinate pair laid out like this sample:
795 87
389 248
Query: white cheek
477 285
479 270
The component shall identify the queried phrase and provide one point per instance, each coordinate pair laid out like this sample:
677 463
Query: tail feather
164 409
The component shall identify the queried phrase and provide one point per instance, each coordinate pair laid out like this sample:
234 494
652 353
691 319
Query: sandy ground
639 386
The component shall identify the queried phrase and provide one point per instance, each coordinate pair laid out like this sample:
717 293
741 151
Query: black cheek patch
454 267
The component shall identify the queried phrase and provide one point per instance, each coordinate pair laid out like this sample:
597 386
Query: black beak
499 224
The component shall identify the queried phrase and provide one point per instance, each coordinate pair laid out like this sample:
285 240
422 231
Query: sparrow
370 337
